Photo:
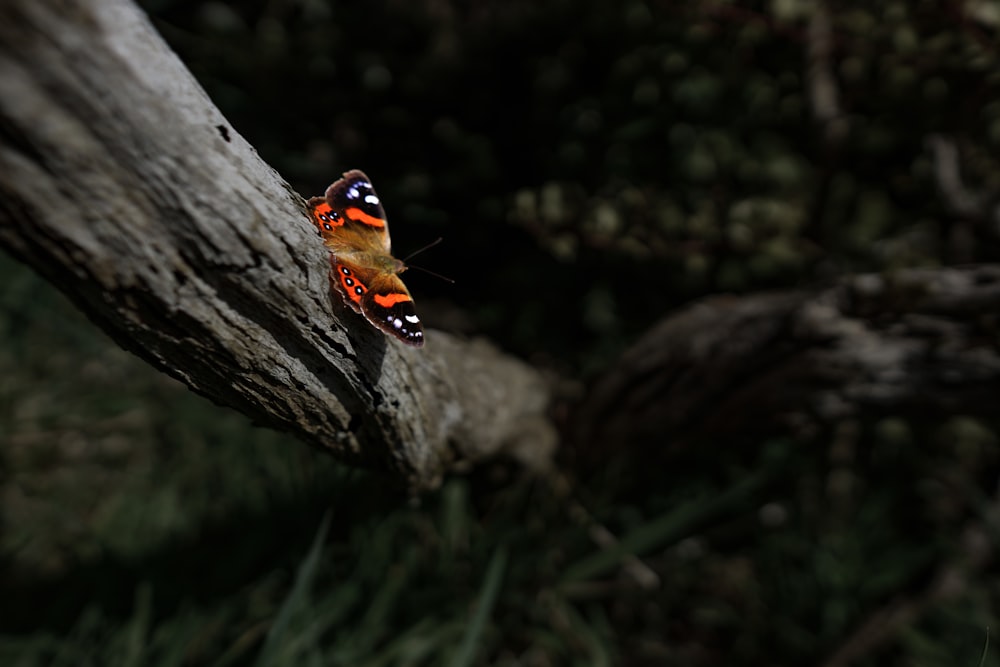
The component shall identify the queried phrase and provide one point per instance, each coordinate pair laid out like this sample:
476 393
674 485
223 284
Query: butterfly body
352 222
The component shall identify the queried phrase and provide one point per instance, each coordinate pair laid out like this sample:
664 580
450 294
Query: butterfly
352 222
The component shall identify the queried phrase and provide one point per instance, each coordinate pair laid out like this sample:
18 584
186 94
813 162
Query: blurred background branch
918 344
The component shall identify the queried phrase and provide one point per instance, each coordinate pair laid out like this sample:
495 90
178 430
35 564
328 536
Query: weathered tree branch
917 344
123 184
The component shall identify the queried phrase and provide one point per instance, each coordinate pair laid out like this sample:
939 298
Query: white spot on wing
371 199
412 319
397 323
353 193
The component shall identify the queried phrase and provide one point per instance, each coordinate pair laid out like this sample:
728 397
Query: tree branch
917 343
125 187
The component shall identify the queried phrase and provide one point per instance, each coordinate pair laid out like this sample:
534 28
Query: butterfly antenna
426 247
417 252
436 275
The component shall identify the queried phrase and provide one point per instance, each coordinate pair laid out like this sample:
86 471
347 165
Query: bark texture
123 184
918 344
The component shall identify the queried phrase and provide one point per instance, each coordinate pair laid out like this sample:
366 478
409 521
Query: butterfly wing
388 305
355 214
381 297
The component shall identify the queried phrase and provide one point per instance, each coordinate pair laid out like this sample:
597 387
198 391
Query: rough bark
916 344
123 184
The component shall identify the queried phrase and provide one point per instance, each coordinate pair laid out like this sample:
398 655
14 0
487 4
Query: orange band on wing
323 213
361 216
390 300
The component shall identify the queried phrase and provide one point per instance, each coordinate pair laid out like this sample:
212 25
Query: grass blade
297 598
487 598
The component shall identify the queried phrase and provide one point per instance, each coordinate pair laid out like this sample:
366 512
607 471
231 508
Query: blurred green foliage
592 165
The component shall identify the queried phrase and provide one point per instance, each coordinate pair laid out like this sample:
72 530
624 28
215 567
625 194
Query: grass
143 526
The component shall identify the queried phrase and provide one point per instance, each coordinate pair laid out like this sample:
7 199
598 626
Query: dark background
592 166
